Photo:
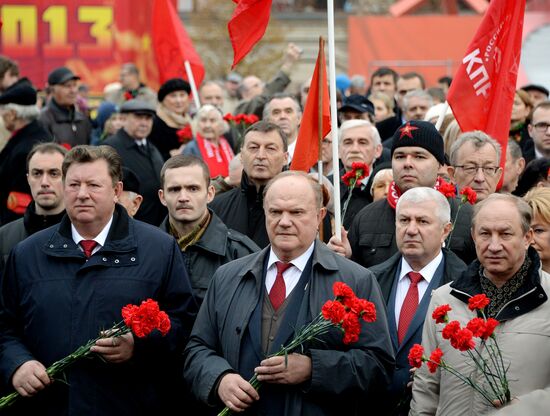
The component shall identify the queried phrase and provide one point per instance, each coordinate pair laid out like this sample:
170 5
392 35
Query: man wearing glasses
539 130
475 159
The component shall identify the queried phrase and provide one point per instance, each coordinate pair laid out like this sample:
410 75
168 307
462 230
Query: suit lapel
391 307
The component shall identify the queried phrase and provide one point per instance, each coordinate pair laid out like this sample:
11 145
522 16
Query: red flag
315 123
483 89
247 26
173 45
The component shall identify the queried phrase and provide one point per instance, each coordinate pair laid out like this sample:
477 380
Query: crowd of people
149 196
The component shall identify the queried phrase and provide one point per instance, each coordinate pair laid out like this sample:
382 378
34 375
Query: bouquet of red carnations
141 320
358 172
344 312
494 387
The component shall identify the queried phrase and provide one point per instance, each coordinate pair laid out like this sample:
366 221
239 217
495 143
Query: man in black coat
201 235
264 154
417 155
47 207
62 286
256 304
60 117
20 113
141 156
422 225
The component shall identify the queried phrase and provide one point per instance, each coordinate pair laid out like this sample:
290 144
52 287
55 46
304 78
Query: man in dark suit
254 304
407 278
142 157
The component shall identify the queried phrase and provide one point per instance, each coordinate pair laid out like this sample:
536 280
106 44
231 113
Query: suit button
117 261
104 259
64 245
133 259
271 338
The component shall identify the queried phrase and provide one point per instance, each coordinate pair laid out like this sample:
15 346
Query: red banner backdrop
92 37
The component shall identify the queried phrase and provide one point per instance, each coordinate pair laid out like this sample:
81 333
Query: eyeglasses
471 170
541 127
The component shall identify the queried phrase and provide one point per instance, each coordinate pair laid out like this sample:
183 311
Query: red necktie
410 304
277 294
88 246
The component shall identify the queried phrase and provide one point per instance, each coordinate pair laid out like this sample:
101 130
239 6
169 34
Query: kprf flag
172 44
315 124
247 26
483 88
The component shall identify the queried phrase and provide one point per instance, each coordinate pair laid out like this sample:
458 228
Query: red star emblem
407 131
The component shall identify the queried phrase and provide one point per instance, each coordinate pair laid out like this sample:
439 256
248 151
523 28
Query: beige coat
525 343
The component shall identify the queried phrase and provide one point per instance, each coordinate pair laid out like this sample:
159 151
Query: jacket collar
214 238
249 189
121 236
62 114
34 222
323 258
528 297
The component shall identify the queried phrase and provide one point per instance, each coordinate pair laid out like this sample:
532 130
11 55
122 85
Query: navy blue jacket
54 301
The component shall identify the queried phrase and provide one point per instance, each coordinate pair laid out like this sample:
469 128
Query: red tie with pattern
88 246
410 304
277 294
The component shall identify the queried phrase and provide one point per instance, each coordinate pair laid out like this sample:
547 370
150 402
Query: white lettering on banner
483 84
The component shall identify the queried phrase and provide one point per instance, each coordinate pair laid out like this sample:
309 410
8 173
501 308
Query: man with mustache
407 279
206 241
264 154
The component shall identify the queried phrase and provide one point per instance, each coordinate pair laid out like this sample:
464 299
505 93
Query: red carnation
447 189
333 311
477 326
478 302
450 330
367 310
351 327
463 340
490 326
228 117
145 318
128 95
416 355
347 177
342 291
435 360
185 134
440 314
469 195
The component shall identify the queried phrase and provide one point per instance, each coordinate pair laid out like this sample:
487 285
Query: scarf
174 120
394 192
191 238
217 157
500 296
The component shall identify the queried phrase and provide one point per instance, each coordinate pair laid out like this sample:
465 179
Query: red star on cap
406 131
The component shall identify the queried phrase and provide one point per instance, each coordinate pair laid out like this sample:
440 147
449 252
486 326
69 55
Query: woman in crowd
209 144
519 120
539 201
383 106
171 126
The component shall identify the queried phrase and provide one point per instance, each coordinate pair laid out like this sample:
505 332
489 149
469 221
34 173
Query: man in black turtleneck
47 208
60 117
264 154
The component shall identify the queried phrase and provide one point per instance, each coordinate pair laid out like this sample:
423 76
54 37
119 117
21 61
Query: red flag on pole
247 26
315 123
172 44
483 88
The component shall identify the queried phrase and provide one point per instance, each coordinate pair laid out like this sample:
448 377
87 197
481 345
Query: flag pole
320 81
441 116
334 119
191 79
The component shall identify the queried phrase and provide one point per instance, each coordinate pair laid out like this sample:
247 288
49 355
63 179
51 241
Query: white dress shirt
99 239
404 282
292 275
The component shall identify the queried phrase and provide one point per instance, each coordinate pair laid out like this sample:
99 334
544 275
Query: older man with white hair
358 141
422 223
19 113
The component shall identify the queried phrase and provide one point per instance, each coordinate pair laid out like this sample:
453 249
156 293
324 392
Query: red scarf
216 157
394 192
